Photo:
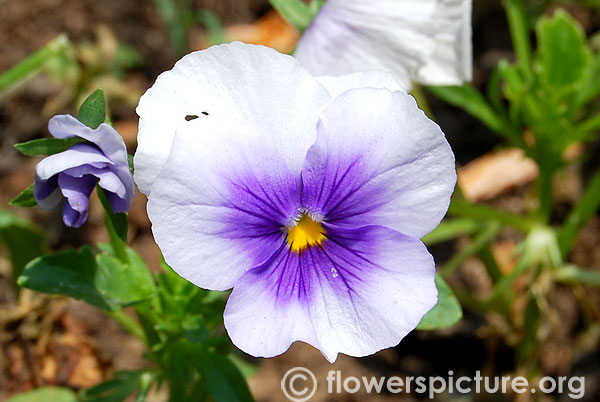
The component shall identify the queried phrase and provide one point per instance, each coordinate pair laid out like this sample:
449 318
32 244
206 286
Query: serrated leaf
22 240
563 55
45 394
446 312
47 146
93 110
25 199
101 281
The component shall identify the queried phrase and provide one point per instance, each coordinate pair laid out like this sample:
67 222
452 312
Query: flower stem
545 186
128 323
481 240
519 32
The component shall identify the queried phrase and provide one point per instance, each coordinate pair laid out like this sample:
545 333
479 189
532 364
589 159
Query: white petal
337 85
252 83
378 160
427 41
219 205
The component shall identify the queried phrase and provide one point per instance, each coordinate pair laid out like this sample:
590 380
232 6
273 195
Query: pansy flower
305 195
72 174
427 41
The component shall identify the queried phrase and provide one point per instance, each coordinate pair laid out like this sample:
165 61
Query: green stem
519 32
483 212
481 240
128 323
574 275
545 186
32 64
579 215
118 245
451 229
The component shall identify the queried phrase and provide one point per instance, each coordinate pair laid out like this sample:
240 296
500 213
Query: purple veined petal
337 85
77 192
77 155
220 204
378 160
269 90
428 41
108 140
362 291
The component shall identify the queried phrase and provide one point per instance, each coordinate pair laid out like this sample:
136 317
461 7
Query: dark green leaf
446 312
71 273
93 110
26 199
194 329
467 97
47 146
117 223
117 389
22 240
223 380
46 394
103 281
563 54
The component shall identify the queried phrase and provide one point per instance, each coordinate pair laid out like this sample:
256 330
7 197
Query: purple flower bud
74 173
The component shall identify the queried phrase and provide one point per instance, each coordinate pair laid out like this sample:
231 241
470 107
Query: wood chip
496 173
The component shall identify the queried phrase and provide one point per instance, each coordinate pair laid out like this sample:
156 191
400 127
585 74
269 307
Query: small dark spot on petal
205 113
190 117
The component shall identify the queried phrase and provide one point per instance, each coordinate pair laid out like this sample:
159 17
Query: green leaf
446 312
123 284
47 146
26 199
295 12
46 394
101 281
223 380
117 389
451 229
93 110
579 216
572 274
468 98
563 57
22 240
71 273
194 329
30 66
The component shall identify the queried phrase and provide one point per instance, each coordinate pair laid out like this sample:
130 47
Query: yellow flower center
305 234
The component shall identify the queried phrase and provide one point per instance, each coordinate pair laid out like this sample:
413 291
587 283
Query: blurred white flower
427 41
